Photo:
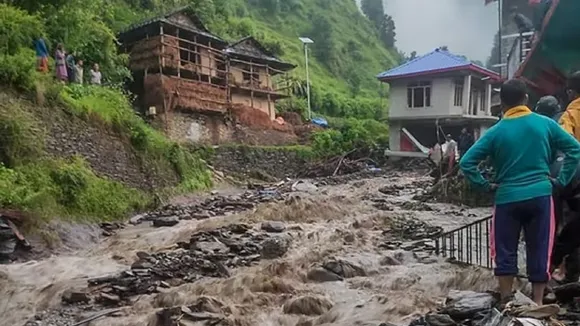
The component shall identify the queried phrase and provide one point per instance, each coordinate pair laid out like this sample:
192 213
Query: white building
437 94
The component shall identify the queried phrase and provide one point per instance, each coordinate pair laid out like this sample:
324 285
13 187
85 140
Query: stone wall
259 162
206 129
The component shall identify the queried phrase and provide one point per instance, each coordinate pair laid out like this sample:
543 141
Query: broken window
419 94
458 98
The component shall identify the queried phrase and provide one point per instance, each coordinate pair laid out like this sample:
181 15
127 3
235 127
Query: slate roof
198 27
437 61
249 47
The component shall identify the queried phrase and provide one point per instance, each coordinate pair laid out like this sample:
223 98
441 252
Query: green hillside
346 56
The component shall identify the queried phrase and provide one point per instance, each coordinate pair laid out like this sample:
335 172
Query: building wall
442 98
198 128
238 76
395 136
260 103
442 91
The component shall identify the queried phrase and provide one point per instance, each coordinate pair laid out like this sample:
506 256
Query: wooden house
177 64
254 75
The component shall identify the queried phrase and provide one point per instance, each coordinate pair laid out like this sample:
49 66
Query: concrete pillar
488 91
394 136
466 93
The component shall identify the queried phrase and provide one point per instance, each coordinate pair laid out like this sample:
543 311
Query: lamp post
306 41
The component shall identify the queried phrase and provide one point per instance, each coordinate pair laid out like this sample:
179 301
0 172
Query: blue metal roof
436 61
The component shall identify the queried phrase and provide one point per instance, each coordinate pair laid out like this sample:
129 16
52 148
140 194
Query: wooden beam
178 54
251 86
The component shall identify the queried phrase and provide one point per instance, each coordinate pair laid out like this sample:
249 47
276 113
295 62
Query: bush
22 138
350 134
19 70
68 189
18 29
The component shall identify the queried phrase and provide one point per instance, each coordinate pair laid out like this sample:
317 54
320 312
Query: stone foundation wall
258 162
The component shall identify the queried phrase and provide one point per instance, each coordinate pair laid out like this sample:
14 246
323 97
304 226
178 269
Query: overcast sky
467 27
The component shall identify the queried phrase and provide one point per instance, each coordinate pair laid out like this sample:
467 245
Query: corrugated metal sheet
437 60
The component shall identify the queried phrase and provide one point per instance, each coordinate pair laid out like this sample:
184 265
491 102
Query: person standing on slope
520 148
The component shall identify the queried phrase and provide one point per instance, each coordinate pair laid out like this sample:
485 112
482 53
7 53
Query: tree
375 11
387 31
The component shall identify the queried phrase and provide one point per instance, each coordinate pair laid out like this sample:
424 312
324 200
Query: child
521 148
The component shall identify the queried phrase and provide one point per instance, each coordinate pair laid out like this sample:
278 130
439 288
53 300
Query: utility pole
306 41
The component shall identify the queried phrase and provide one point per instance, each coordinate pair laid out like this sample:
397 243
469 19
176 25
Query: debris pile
339 165
472 308
207 254
404 228
170 215
205 310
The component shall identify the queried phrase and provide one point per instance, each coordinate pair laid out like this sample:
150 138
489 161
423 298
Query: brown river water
337 221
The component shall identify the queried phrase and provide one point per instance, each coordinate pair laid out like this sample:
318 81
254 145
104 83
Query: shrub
18 29
19 70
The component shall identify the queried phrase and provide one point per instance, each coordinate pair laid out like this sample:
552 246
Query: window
419 94
458 99
483 101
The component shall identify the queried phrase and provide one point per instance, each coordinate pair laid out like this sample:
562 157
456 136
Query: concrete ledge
390 153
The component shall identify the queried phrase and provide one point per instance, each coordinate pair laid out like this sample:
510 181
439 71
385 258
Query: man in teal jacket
521 148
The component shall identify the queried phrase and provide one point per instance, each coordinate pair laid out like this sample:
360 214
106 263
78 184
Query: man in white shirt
450 152
96 75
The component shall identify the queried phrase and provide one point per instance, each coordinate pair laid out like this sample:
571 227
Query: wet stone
73 297
273 226
567 292
344 268
389 261
439 320
275 247
466 304
322 275
165 222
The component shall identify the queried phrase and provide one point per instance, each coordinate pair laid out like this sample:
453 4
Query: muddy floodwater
386 278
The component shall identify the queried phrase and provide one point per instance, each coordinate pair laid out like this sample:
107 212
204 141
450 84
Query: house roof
249 47
436 61
193 25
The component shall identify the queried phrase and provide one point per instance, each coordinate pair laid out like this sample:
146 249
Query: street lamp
306 41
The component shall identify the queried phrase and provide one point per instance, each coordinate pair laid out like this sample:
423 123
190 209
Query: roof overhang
470 67
449 118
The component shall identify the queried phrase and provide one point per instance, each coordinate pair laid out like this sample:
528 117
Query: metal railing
470 244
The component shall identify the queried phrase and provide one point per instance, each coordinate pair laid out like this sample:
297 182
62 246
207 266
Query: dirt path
341 225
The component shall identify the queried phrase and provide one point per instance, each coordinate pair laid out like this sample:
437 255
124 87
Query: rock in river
273 226
165 221
462 305
322 275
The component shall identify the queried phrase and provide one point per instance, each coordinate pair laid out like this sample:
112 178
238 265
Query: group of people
68 69
523 148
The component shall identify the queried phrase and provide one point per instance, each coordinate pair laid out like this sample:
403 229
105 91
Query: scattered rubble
207 254
404 228
111 228
205 310
214 206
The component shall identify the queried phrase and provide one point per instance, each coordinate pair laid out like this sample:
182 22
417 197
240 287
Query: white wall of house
448 96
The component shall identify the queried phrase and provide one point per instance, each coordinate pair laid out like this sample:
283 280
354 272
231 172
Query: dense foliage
345 56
